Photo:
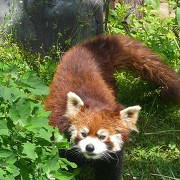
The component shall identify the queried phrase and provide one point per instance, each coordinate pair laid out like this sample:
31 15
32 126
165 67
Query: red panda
83 103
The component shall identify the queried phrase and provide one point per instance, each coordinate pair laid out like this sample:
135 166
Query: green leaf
3 128
8 177
51 165
154 3
3 66
44 135
5 153
35 85
20 111
64 175
24 109
5 92
60 140
12 169
13 114
11 159
35 124
11 94
64 161
178 15
2 172
29 150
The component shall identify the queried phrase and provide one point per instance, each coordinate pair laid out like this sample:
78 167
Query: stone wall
42 23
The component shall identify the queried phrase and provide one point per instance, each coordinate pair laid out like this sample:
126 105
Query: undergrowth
153 153
26 148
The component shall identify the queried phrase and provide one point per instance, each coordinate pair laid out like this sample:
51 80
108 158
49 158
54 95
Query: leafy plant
157 33
27 150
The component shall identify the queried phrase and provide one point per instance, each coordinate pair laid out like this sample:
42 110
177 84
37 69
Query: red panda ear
130 116
74 104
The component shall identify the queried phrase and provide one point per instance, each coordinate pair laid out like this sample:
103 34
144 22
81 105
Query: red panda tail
121 52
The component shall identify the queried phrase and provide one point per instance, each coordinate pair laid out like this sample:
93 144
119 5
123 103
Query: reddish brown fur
87 70
101 119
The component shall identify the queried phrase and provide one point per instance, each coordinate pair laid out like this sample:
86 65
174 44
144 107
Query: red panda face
96 133
97 146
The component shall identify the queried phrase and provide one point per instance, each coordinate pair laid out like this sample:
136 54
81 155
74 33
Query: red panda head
98 132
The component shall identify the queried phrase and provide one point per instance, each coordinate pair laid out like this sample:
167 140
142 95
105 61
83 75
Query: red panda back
79 73
87 70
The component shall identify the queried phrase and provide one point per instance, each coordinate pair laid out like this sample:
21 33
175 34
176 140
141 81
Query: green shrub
157 33
26 148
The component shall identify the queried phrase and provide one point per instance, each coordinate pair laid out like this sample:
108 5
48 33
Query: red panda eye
102 137
83 134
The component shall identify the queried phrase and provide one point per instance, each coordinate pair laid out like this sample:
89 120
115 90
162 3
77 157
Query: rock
40 24
164 10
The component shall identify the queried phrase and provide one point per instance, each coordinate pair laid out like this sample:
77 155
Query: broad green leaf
11 159
51 164
29 150
35 85
44 135
12 169
5 92
35 124
24 109
2 172
4 153
64 175
8 177
17 93
20 112
3 128
64 161
14 114
11 94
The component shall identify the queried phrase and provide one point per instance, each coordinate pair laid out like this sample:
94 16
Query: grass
153 153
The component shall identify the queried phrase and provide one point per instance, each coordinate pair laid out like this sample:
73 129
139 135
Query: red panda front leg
111 170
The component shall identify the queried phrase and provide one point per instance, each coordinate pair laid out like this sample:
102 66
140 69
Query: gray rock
40 24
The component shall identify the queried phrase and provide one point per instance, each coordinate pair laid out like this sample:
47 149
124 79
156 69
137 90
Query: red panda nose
90 148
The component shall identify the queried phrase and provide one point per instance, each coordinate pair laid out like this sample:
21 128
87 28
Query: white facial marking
85 129
117 142
84 132
103 134
73 132
99 147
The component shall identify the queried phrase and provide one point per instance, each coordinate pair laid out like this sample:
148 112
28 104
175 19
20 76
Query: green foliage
157 33
24 60
27 150
154 152
178 15
154 3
